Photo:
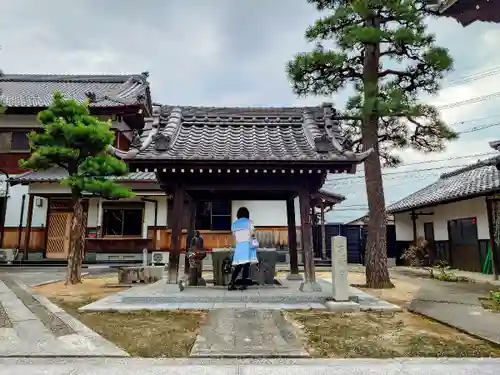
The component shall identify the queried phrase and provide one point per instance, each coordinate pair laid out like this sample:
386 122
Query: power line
477 99
475 76
426 162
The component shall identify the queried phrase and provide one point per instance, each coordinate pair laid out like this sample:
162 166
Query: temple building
467 12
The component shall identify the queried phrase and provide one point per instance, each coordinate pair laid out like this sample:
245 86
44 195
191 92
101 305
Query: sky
233 53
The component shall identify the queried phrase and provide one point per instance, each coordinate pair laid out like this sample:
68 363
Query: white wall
267 213
442 214
14 203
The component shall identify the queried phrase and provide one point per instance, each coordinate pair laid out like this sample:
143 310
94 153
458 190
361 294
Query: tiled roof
29 90
330 196
57 174
244 134
474 180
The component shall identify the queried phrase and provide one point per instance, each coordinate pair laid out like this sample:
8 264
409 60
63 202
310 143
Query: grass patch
372 335
492 302
161 334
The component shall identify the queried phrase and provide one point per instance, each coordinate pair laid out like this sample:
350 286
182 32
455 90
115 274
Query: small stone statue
195 255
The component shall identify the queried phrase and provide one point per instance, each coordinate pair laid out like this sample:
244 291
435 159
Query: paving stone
342 306
247 332
34 332
8 338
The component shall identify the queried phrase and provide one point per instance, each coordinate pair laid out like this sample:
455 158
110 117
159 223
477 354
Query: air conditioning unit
8 255
159 258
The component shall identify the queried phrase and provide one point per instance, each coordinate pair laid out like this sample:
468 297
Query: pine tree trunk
76 250
377 273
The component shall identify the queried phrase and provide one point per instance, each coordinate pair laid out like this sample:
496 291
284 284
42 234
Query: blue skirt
241 253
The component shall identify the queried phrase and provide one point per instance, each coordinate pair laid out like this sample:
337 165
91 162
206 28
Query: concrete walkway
130 366
244 333
30 325
458 305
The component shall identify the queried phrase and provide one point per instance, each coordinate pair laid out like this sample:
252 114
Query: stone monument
340 270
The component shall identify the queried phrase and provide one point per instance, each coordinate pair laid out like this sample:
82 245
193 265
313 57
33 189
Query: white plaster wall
475 207
267 213
14 203
404 227
19 121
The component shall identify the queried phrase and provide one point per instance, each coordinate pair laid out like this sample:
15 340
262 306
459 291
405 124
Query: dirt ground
91 288
372 335
164 334
405 288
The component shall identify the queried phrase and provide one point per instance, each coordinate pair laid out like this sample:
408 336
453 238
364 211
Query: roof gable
36 90
476 179
242 134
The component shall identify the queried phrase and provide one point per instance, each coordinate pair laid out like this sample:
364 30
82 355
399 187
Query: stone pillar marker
340 285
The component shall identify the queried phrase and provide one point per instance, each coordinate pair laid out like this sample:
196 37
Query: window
463 231
214 215
122 220
14 141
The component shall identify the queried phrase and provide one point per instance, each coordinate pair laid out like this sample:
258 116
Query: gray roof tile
57 174
246 134
29 90
476 179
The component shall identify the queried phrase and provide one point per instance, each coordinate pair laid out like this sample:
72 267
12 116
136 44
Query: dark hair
243 213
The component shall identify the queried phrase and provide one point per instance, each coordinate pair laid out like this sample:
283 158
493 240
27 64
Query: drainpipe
21 218
4 208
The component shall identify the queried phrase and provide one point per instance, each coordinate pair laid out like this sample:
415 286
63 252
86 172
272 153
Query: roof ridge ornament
152 123
329 113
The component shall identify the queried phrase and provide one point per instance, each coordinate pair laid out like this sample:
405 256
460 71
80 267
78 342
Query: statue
196 254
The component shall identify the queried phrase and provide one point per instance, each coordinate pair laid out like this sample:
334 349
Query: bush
495 297
417 254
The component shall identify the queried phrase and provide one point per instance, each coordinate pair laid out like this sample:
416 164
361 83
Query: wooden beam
190 231
309 284
491 228
292 237
323 230
29 221
175 248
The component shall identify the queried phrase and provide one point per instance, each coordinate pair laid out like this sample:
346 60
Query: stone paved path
30 325
247 333
134 366
458 305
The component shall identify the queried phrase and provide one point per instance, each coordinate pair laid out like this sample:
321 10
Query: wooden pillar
175 244
323 229
309 284
491 226
29 221
190 232
414 225
292 240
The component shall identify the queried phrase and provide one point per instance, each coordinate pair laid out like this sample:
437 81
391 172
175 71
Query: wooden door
464 245
58 235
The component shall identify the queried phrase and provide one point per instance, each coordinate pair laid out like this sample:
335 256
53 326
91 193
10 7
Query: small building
458 215
123 99
467 12
214 160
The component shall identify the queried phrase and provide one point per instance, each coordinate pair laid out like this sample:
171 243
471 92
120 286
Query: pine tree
74 140
381 49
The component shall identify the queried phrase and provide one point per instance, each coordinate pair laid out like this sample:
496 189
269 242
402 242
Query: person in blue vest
245 251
